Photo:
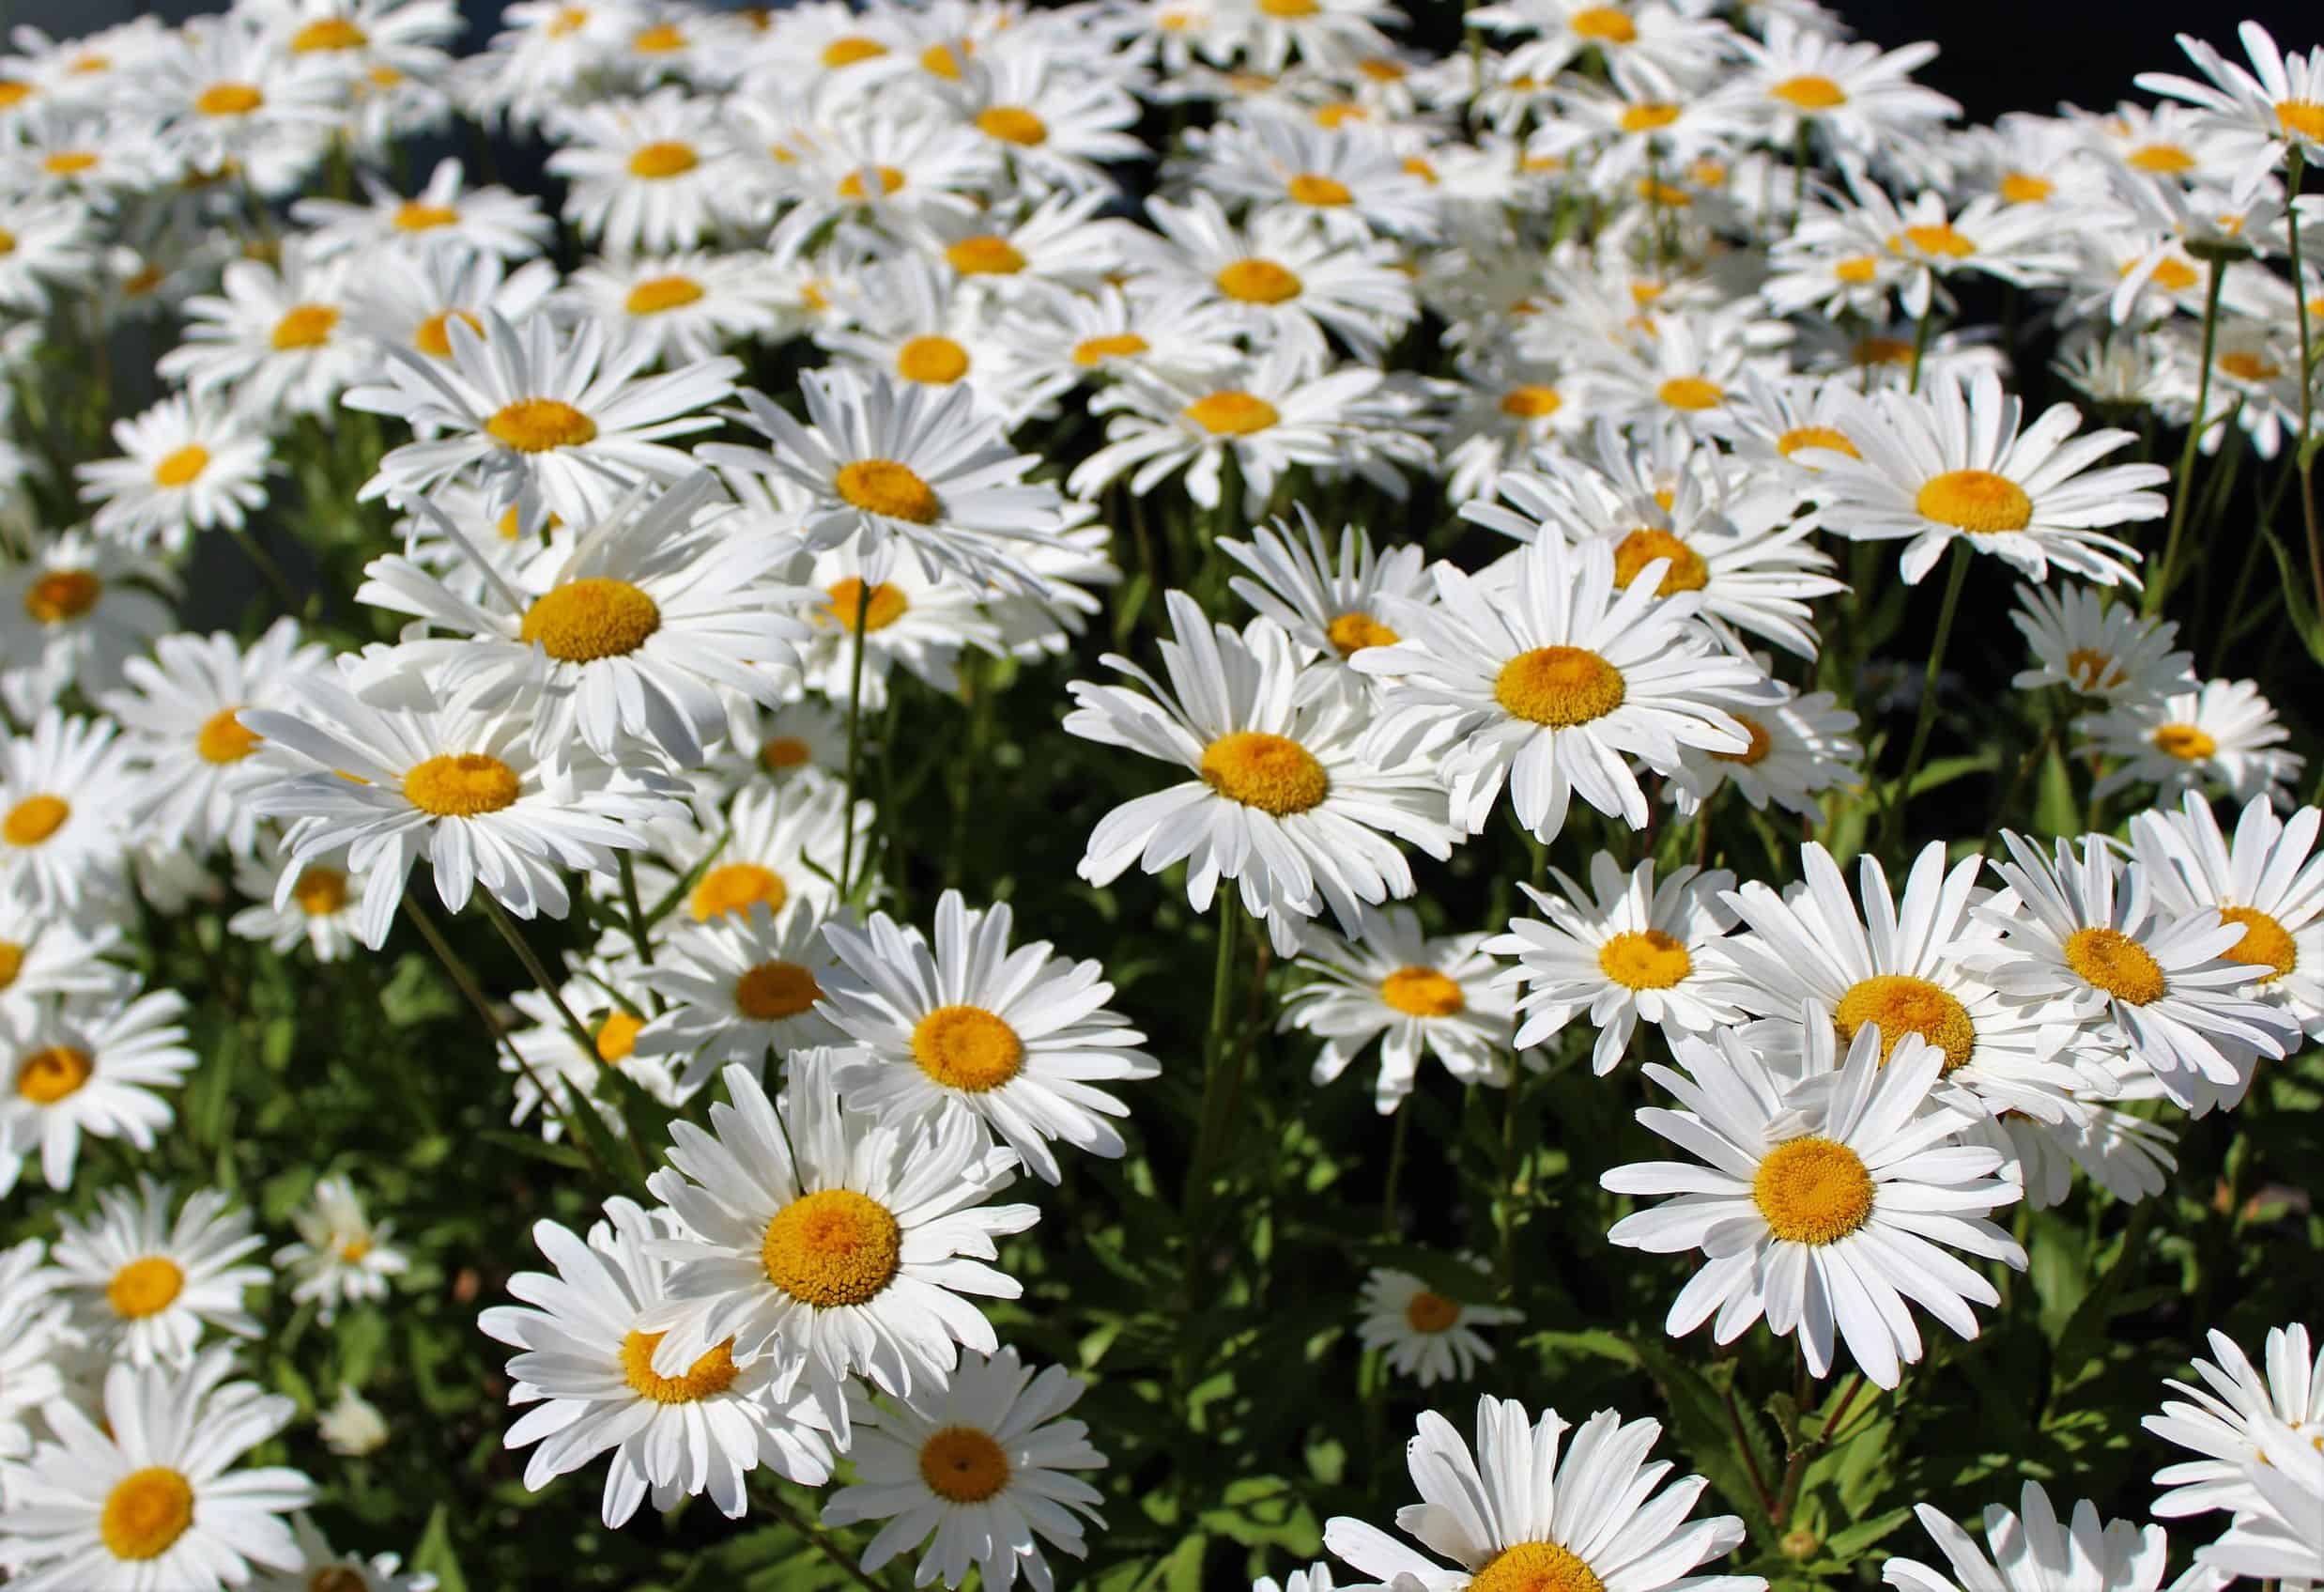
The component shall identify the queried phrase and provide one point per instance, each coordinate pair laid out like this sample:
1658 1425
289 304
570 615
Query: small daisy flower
1801 747
274 338
229 98
43 956
1858 96
319 910
1330 606
48 244
444 216
2268 881
1506 408
2035 1553
1056 127
2096 646
980 1468
351 1427
407 299
73 613
2127 1156
650 174
2259 115
187 464
603 996
589 1343
906 619
688 306
1087 339
341 1256
1414 995
1426 1336
88 1068
65 793
1351 181
145 1282
2220 735
777 846
1640 44
33 1329
2223 1419
787 742
920 322
2274 1538
320 1567
889 172
739 985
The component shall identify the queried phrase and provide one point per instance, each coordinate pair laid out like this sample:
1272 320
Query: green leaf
434 1556
1184 1571
2295 580
416 993
1852 1542
1698 1421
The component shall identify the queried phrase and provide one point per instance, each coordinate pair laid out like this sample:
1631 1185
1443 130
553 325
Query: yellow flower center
1258 281
832 1248
2160 157
304 326
737 887
461 786
46 1076
34 819
67 162
888 178
1338 116
1762 742
882 487
616 1039
2173 274
326 33
1272 773
2023 188
1414 166
1882 350
1096 350
707 1377
228 100
1231 413
851 49
433 336
658 293
1351 633
2091 670
146 1512
61 594
1801 437
1532 401
583 621
778 752
985 256
1974 501
1422 992
14 92
938 361
775 990
1640 548
1380 70
1691 393
1648 116
536 425
1604 24
1535 1567
1900 1004
12 962
1644 959
354 1249
568 22
1013 124
181 467
942 60
413 216
1810 92
1856 269
144 1288
662 38
1314 188
966 1047
224 738
960 1464
2301 119
2266 943
2245 365
886 606
320 891
2189 743
1430 1312
2110 960
662 158
1559 687
337 1578
1813 1190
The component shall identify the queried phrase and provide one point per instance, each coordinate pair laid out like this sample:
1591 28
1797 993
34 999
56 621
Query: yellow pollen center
1649 115
536 425
413 216
1339 115
966 1047
1810 92
1288 7
1430 1312
658 293
1801 437
1604 24
2266 943
320 891
46 1076
882 487
616 1039
664 158
832 1248
961 1464
1858 269
1535 1567
885 180
710 1375
887 605
1640 548
1258 281
1272 773
985 256
1900 1004
850 50
1013 124
2301 119
1231 413
1380 70
12 962
224 738
2160 157
775 990
940 60
1813 1190
433 336
1422 992
337 1578
1559 687
1351 633
183 466
34 819
461 786
2189 743
737 887
1939 240
2112 961
61 594
1974 501
1753 754
937 362
144 1286
1314 188
228 100
67 162
146 1511
304 326
1644 959
14 92
1882 350
662 38
583 621
328 33
2023 188
2245 365
566 22
2091 670
1532 401
1092 351
1691 393
782 751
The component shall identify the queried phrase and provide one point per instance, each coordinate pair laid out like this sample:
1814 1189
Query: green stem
1742 1446
1920 341
2184 495
1395 1169
855 734
1214 1047
2304 459
268 570
1956 577
635 908
780 1508
538 971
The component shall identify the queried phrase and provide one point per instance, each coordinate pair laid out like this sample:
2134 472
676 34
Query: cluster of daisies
1670 303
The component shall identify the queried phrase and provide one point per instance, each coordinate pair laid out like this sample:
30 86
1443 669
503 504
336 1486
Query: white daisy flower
1315 1578
1058 243
2097 647
352 1428
604 996
738 985
1682 375
44 955
407 299
1507 406
321 1570
650 174
1331 607
1821 1208
925 325
2127 1155
688 306
65 793
71 613
2259 115
1427 1336
33 1329
444 216
589 1342
229 98
886 172
980 1468
907 620
1281 800
48 245
2225 1419
340 1255
1055 126
187 464
1015 1039
777 845
88 1068
2275 1539
2220 735
2033 1552
319 910
274 338
150 1500
1520 1513
789 741
1638 43
828 1242
145 1283
1622 949
1416 995
1801 747
2269 882
1350 182
1086 338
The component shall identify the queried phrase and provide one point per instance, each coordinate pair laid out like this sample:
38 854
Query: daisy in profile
2129 1156
644 174
587 1346
65 793
1279 798
75 611
1822 1210
2088 933
86 1067
1518 1511
145 1282
2095 646
2268 881
1551 683
187 464
2224 1420
2221 735
1427 1336
319 911
827 1243
688 306
1415 996
779 844
2259 116
1954 465
983 1466
445 215
1623 949
1330 606
275 336
341 1256
146 1495
739 986
1801 747
2033 1552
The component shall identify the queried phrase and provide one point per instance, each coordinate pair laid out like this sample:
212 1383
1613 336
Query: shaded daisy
1411 994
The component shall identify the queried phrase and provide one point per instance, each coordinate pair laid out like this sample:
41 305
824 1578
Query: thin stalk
1214 1047
1920 341
1395 1170
1799 170
1956 577
268 570
635 908
2304 458
1742 1446
780 1508
538 971
854 734
2184 495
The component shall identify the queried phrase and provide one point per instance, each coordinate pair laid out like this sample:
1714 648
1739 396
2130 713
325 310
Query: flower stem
1207 1126
846 1561
855 734
539 972
1395 1170
1956 577
635 908
2304 458
1920 343
2161 581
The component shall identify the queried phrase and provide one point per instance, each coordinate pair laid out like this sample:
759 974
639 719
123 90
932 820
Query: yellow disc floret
963 1465
1351 633
966 1047
1691 393
772 991
34 819
1255 281
181 466
882 487
46 1076
1430 1312
224 738
304 326
656 294
935 362
146 1511
1232 413
662 158
1272 773
1974 501
1644 959
462 785
1422 992
710 1375
832 1248
1535 1567
1559 687
2189 743
144 1286
592 618
61 594
2112 961
536 425
2266 943
1899 1004
1813 1190
737 887
1640 548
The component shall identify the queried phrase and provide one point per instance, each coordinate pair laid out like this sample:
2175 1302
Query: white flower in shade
829 1242
1505 408
187 464
2224 1420
2032 1552
907 619
150 1500
2097 647
444 216
2275 1539
65 792
2086 934
273 338
983 1466
1904 967
688 306
145 1282
73 613
778 846
44 955
1952 464
440 775
321 1570
407 299
33 1328
1517 1512
1822 1209
650 174
2258 116
2127 1155
554 424
179 709
2220 735
1550 683
588 1348
1016 1040
605 997
738 985
1624 948
1415 996
353 1425
86 1068
1281 799
797 740
341 1256
319 911
1801 747
1330 606
2268 881
1427 1336
47 243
